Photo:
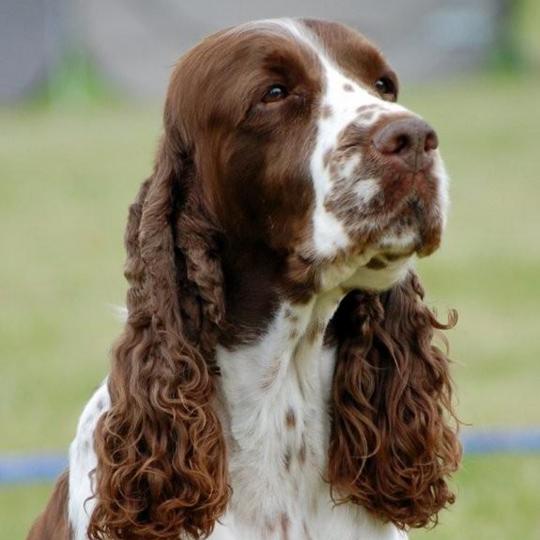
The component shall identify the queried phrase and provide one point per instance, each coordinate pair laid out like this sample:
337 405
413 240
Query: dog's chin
384 261
379 266
379 274
374 269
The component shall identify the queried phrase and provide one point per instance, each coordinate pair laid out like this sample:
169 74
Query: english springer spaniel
276 377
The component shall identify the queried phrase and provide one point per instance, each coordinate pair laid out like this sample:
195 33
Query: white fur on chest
276 418
276 393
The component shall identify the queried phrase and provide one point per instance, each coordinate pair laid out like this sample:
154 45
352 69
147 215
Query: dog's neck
275 402
286 347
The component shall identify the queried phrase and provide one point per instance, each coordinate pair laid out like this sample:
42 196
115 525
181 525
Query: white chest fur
276 418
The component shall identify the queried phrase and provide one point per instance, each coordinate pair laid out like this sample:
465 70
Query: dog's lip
385 258
425 250
396 256
423 246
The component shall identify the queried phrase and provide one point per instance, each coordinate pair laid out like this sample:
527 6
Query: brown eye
276 92
386 87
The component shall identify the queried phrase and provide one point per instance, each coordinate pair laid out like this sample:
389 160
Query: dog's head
299 144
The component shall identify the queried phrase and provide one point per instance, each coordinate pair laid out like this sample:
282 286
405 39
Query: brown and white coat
277 356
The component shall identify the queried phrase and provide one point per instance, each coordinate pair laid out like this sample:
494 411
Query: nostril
394 144
390 140
431 141
401 142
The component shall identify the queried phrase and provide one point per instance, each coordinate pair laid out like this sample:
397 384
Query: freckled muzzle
389 185
405 150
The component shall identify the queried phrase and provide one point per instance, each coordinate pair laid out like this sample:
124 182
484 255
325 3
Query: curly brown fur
394 435
161 454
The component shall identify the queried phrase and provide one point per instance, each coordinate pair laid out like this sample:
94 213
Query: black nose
409 139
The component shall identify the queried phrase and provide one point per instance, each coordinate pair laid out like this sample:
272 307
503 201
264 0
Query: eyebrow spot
348 87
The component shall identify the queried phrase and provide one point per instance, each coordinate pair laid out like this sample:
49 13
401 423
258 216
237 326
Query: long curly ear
394 433
161 454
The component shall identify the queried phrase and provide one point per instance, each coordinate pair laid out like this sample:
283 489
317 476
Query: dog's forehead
347 49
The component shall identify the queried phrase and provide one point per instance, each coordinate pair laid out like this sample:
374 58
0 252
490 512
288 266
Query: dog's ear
161 470
394 433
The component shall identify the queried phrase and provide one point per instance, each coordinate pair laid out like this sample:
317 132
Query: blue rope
35 468
31 469
507 441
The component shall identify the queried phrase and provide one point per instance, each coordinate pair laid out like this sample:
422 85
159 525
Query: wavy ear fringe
394 435
161 455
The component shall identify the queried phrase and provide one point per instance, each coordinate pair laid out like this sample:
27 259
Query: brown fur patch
290 418
287 459
302 452
285 524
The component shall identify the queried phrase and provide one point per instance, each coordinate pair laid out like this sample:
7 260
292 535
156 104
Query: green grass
67 177
19 506
497 500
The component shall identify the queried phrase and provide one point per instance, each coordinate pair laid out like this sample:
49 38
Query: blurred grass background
68 173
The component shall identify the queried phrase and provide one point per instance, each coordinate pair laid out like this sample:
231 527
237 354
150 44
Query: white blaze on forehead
280 27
